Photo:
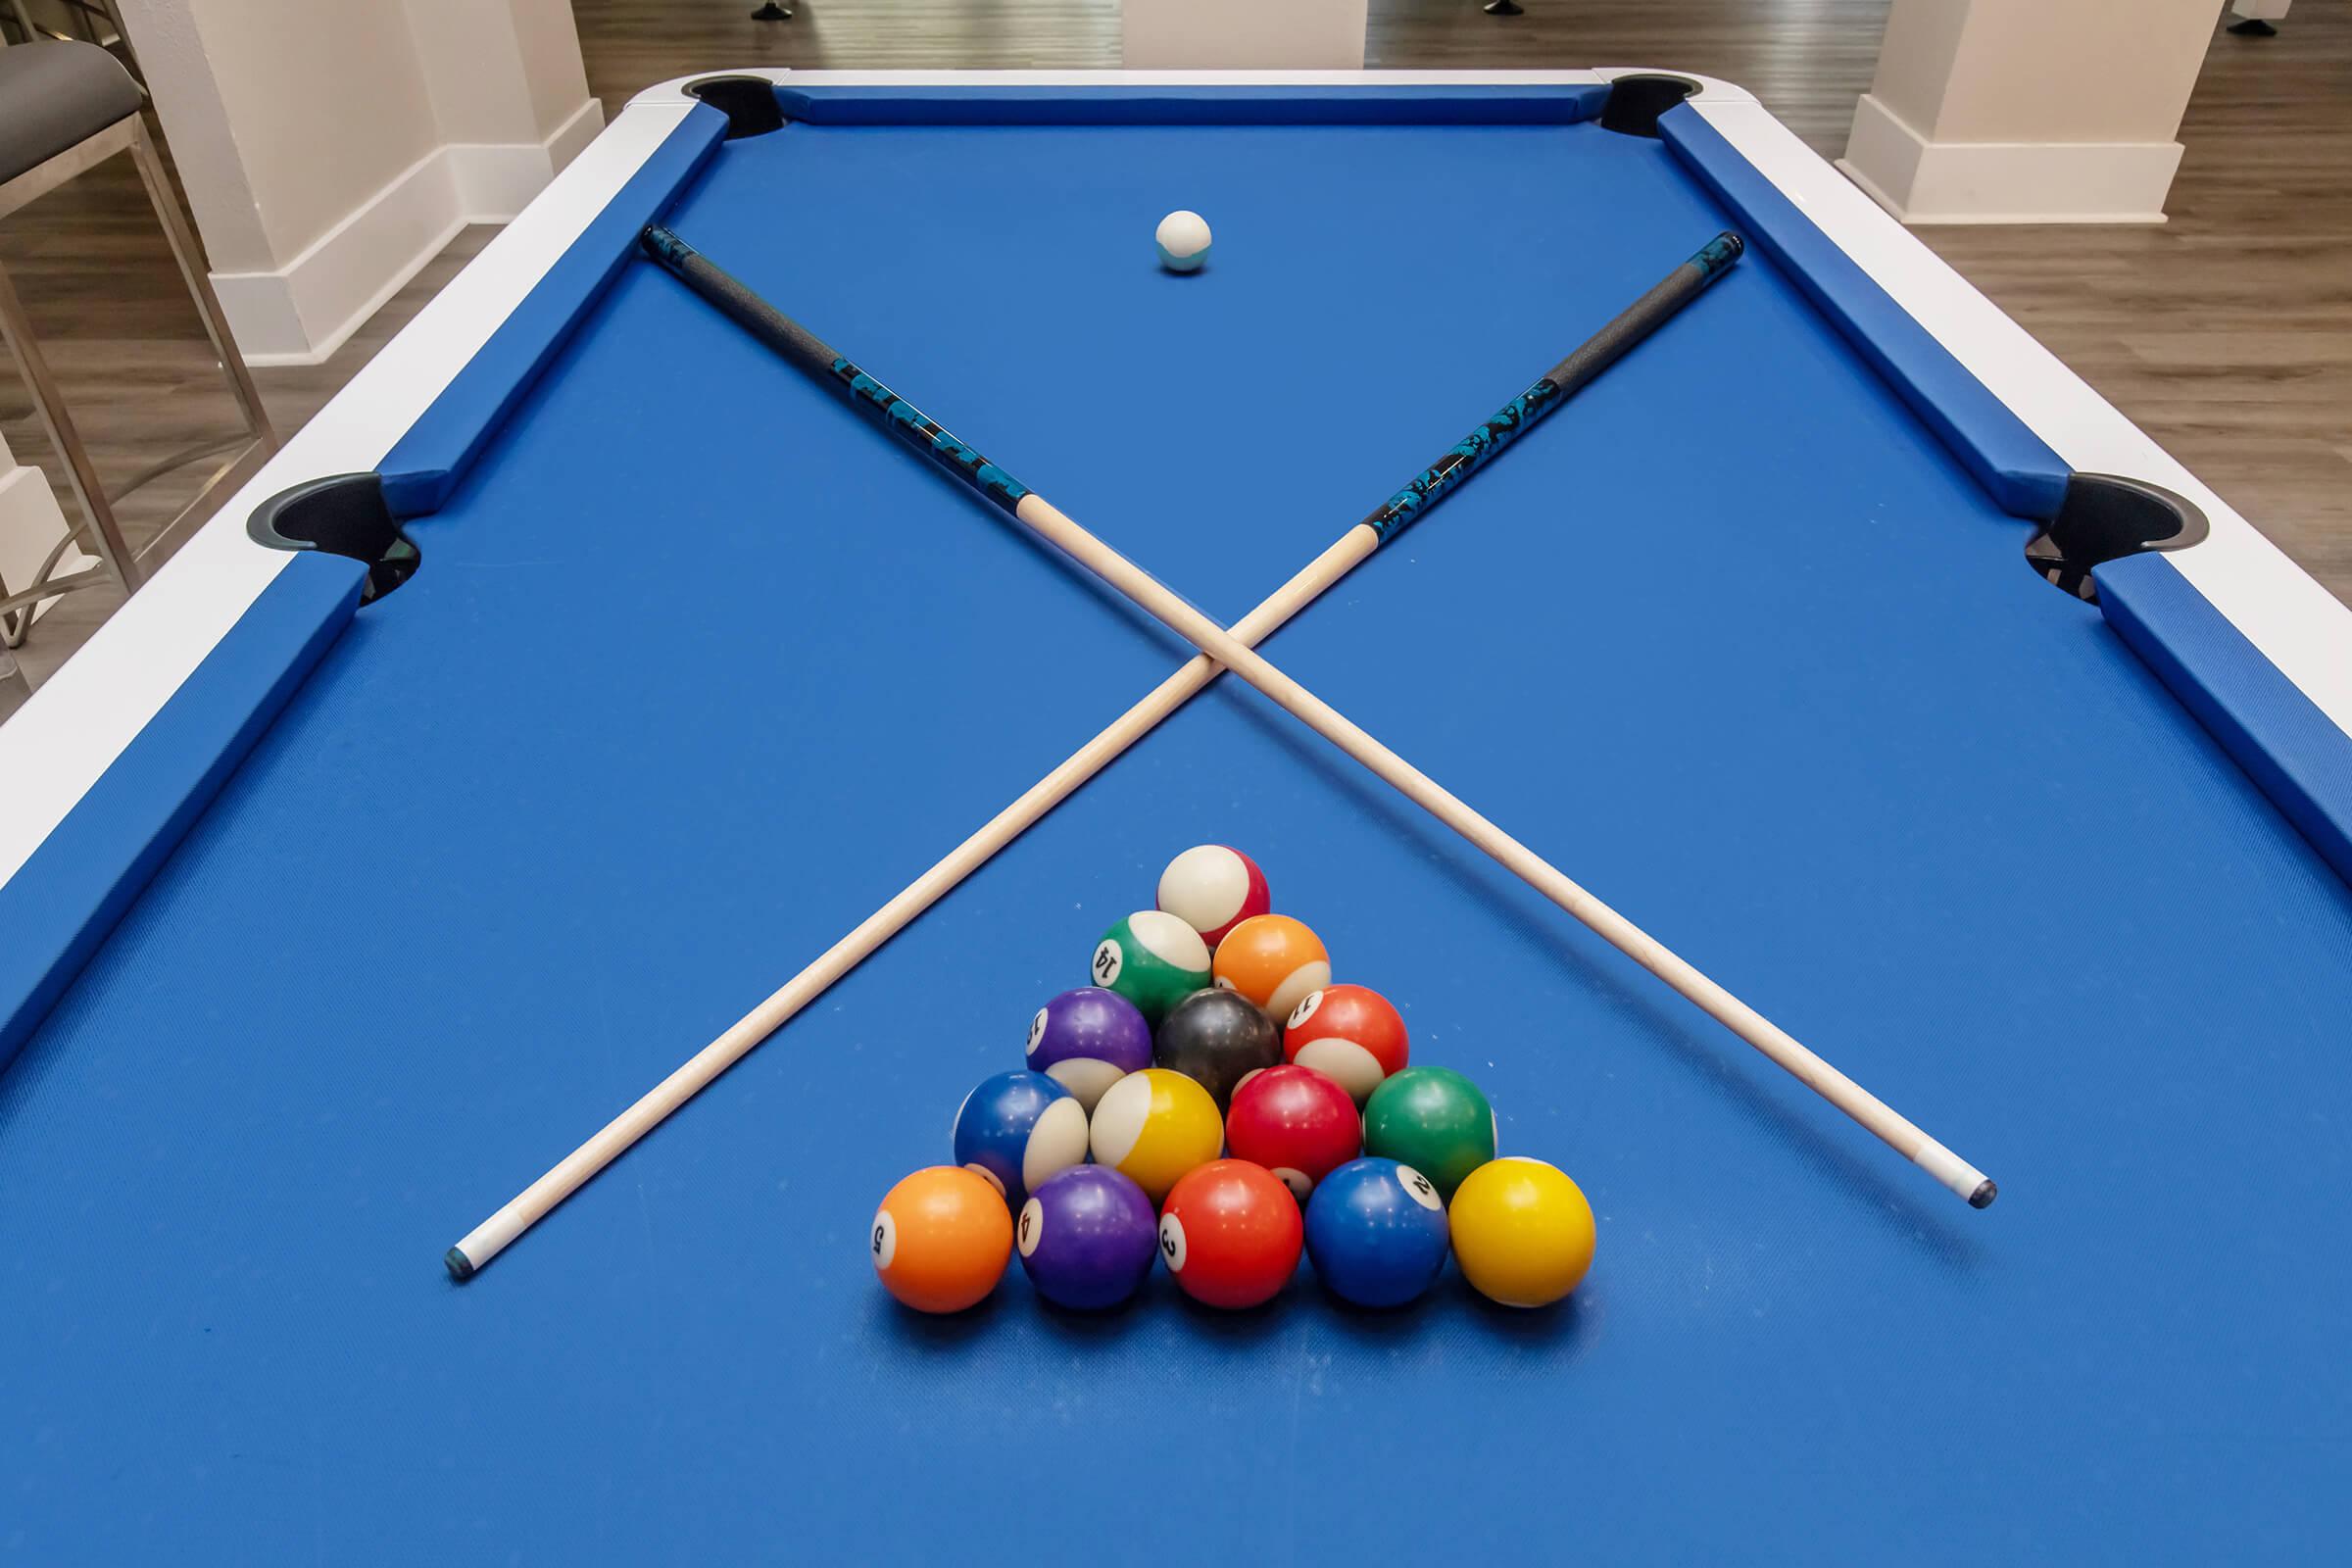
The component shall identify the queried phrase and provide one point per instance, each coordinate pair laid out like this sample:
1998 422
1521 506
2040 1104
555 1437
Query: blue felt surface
1732 638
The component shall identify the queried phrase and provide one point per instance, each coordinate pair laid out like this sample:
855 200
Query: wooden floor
2227 333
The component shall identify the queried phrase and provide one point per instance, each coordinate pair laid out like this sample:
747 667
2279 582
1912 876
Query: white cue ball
1183 239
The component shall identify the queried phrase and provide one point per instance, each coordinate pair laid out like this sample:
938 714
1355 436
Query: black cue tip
460 1267
1982 1198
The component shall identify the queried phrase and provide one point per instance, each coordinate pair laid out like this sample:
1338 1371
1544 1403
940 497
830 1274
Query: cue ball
1152 959
1274 960
1376 1232
1217 1039
1155 1125
1183 240
941 1238
1087 1237
1350 1034
1522 1232
1231 1233
1087 1040
1018 1128
1297 1123
1214 888
1433 1119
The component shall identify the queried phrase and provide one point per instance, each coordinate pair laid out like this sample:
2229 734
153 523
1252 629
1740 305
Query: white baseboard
1923 182
303 311
30 524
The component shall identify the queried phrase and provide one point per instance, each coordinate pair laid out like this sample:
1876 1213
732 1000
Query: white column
1243 34
2029 110
330 148
2258 10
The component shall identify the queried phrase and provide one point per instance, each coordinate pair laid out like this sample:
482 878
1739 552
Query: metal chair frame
118 562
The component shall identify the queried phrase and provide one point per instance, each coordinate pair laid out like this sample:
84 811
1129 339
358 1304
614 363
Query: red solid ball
1231 1233
1297 1123
1350 1034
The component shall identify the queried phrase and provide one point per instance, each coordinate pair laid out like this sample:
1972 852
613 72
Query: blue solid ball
1018 1128
1376 1231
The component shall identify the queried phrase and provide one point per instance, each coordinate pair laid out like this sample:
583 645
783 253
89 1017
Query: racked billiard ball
1297 1123
1087 1040
1376 1231
1351 1034
1522 1232
1151 959
1087 1237
1433 1119
1018 1128
1217 1039
1274 960
1155 1126
1214 888
1231 1233
941 1238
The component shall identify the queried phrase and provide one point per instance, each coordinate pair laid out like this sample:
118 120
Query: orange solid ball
941 1238
1274 960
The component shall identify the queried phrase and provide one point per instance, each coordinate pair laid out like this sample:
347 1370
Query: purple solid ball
1087 1040
1087 1237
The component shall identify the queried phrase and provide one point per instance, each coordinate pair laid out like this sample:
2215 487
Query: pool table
582 671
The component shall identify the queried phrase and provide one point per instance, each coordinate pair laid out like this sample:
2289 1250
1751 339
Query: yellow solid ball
1522 1232
1154 1125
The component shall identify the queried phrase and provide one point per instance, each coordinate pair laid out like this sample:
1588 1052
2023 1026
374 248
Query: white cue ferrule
1953 1171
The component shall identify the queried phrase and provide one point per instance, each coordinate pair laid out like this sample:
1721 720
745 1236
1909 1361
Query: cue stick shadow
1894 1202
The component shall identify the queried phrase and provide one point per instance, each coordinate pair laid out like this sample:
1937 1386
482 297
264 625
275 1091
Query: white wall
330 148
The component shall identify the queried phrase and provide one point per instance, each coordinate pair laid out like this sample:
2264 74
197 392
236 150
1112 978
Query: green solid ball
1153 959
1433 1119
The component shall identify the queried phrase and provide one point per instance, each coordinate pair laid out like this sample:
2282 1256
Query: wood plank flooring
2225 333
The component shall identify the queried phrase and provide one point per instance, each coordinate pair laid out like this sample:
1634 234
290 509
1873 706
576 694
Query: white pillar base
1923 182
1243 34
304 311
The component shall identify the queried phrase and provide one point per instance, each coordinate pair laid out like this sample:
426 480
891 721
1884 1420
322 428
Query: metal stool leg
50 404
200 286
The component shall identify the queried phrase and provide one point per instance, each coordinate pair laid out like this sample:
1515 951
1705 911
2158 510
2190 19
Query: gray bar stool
63 107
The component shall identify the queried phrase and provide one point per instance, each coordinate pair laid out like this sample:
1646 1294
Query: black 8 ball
1216 1038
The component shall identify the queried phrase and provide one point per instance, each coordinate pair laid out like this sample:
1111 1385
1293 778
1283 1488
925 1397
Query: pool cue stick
1631 325
1034 512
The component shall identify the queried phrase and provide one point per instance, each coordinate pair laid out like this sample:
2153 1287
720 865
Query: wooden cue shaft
963 461
492 1237
1628 327
1901 1134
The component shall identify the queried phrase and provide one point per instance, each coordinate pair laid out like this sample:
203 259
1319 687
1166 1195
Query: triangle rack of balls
1211 1102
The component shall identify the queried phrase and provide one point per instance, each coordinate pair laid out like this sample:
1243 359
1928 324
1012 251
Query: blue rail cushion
1565 104
2290 749
2294 753
2016 466
65 899
424 465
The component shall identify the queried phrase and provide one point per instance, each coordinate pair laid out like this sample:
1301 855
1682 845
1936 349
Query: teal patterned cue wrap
919 430
805 349
1512 420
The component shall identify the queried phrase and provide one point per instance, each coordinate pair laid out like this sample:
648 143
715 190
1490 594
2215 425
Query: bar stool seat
54 96
65 108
